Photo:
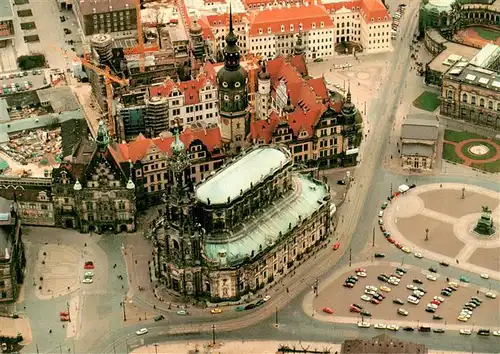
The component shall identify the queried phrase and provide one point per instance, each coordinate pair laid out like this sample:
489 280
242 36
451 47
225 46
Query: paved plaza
440 212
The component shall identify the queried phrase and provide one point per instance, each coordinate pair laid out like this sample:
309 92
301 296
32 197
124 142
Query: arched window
464 98
490 104
473 100
481 102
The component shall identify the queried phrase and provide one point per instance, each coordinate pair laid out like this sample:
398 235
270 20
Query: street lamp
463 192
427 234
156 348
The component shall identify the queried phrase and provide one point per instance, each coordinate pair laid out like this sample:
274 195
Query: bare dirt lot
450 202
486 257
339 299
441 237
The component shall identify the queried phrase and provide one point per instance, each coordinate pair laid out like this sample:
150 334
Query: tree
28 62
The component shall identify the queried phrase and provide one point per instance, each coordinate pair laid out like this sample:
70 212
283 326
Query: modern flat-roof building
252 220
115 17
7 34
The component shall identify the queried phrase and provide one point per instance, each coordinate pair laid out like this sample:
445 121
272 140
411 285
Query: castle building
319 130
232 83
227 236
94 192
151 158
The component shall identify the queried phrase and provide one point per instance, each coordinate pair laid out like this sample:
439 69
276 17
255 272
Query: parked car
379 255
216 311
402 312
327 310
465 332
464 279
418 281
89 265
444 264
354 309
408 329
398 301
142 331
438 330
437 317
433 270
365 313
490 295
336 246
159 318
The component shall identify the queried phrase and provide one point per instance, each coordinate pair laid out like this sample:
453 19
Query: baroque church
224 237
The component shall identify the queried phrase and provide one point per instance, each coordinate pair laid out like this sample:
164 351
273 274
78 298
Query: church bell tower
232 81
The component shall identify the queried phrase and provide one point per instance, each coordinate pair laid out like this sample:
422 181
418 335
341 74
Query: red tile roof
306 97
206 33
274 18
374 9
299 63
319 86
136 150
223 19
254 3
350 5
190 89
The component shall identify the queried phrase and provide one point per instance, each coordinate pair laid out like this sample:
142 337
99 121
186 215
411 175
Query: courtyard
472 150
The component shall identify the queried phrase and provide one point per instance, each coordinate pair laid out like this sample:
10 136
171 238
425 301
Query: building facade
203 250
12 256
7 34
94 192
470 93
151 158
117 17
419 140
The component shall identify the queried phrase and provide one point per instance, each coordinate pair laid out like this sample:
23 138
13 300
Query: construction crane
140 39
108 80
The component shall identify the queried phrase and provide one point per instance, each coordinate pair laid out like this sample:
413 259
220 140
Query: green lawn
456 137
428 101
491 167
487 33
491 153
449 153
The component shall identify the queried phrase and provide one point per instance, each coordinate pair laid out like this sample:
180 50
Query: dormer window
322 24
379 18
291 28
282 28
385 18
372 20
314 25
300 27
269 30
260 31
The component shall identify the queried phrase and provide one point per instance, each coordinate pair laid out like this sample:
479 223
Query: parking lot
22 81
339 298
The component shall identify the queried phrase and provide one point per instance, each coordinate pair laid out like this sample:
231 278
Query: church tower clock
232 81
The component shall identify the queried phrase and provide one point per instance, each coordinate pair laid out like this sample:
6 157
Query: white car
466 332
439 298
371 287
369 292
87 281
431 277
380 326
380 213
402 312
467 312
365 298
485 276
363 325
405 250
433 306
361 274
266 298
496 333
393 282
142 331
393 327
491 295
413 300
411 287
418 255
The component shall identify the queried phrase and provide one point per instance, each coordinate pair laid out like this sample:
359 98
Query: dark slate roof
72 132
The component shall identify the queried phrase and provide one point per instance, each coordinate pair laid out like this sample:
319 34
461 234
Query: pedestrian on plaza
287 290
457 261
85 244
50 331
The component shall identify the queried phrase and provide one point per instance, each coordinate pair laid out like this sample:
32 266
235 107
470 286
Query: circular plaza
444 221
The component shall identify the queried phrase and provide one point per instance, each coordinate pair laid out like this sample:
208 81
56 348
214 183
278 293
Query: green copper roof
265 229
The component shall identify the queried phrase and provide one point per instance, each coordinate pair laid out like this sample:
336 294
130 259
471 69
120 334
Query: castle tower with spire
232 81
263 94
348 108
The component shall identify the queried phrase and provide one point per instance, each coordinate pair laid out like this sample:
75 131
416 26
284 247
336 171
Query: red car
348 285
336 246
398 245
327 310
64 318
435 302
360 270
382 228
63 313
354 309
89 265
390 240
375 301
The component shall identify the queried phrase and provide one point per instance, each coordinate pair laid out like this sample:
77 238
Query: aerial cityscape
250 176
